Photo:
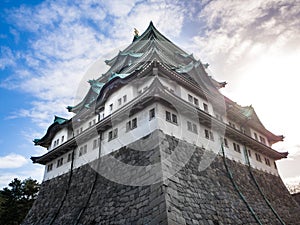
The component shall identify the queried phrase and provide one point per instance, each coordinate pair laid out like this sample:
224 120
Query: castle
155 142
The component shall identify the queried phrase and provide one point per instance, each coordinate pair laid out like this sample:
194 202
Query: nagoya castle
154 141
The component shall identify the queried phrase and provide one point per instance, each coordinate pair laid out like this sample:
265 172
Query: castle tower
155 142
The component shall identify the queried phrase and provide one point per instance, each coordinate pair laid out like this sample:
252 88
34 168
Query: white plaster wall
91 155
170 85
259 134
144 127
262 165
146 82
113 99
184 95
58 135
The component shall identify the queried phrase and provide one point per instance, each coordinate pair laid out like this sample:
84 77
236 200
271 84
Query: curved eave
157 92
237 112
51 131
77 108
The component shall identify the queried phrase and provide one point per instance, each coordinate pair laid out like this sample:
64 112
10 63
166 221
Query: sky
48 48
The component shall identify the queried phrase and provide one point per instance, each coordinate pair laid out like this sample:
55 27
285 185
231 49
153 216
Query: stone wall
191 196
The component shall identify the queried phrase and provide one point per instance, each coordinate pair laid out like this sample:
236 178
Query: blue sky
48 47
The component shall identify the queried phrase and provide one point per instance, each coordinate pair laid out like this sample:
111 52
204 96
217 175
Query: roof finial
136 34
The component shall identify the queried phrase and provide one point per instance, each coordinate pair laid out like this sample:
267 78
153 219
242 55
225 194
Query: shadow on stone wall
189 197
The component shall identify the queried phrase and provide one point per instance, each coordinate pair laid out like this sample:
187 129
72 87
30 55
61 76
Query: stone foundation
191 196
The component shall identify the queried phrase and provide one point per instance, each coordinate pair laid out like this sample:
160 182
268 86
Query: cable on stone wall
93 185
236 187
258 187
67 189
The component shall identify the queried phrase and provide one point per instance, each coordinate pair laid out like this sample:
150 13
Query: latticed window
168 116
236 147
225 141
113 134
151 114
209 134
60 162
131 124
189 125
205 107
69 157
267 161
95 143
49 167
258 157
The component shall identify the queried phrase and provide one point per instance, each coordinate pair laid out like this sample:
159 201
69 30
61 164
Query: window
94 121
151 114
205 107
120 101
57 142
189 125
190 98
236 147
249 152
125 98
225 141
111 107
69 157
174 118
49 167
82 150
62 139
195 130
255 136
209 135
95 143
132 124
206 133
192 127
267 161
257 156
113 134
168 116
262 140
81 129
90 123
60 162
196 101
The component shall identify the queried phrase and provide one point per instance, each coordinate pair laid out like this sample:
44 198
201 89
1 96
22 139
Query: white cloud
256 50
7 58
68 38
35 173
12 161
253 47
